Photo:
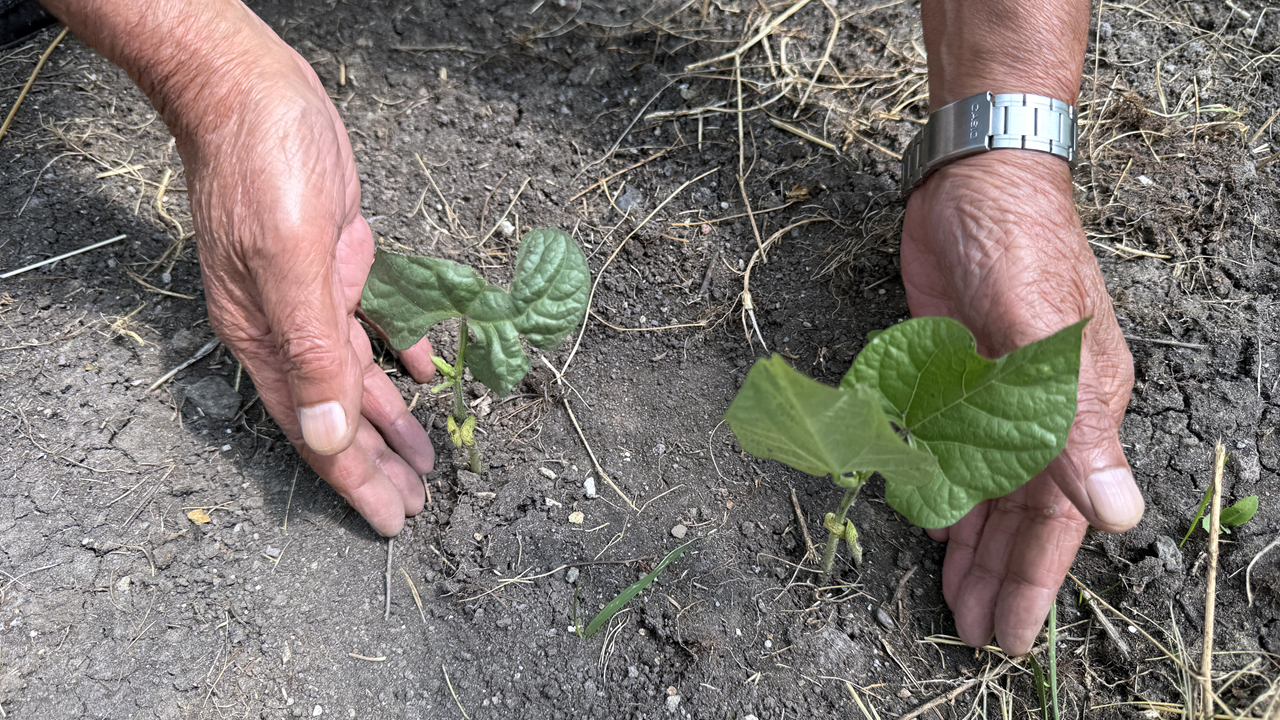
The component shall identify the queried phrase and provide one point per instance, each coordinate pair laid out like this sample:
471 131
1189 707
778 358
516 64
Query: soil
115 603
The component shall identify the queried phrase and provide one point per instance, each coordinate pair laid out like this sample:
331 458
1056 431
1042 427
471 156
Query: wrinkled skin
284 254
994 241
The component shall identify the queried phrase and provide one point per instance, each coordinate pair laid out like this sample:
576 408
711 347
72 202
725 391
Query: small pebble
589 486
166 278
576 518
317 711
571 576
506 228
546 473
679 531
673 702
882 617
272 552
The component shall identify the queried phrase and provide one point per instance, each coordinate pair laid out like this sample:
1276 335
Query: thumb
304 306
1093 472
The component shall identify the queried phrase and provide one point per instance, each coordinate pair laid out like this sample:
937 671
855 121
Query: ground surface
113 603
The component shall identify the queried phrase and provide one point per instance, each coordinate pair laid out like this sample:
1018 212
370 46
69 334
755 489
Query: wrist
194 61
1005 46
1006 197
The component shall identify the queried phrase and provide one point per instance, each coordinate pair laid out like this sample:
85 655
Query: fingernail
324 427
1116 499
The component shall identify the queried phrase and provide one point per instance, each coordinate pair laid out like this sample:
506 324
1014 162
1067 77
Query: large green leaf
783 415
408 295
992 424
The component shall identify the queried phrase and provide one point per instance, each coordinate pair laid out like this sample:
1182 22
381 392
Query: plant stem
833 539
459 366
459 402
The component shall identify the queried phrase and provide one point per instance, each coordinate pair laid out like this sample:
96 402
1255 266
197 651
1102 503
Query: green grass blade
1199 513
625 596
1040 687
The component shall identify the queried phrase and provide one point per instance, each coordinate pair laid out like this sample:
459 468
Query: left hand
994 241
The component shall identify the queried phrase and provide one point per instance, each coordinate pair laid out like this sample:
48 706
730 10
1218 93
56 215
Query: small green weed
625 596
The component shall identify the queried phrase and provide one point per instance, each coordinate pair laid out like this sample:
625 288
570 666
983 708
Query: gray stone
882 617
1167 550
471 482
571 576
679 531
214 397
1147 570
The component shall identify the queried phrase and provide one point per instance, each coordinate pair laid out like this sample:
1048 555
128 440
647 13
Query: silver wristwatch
989 122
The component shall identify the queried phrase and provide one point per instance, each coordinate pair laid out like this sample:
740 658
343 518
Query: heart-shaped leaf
992 424
783 415
407 295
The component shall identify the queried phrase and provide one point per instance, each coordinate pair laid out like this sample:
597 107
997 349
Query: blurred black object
20 19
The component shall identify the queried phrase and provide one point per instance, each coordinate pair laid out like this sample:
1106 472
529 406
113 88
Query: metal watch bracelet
984 122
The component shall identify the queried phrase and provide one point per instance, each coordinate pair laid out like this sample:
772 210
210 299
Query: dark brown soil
114 604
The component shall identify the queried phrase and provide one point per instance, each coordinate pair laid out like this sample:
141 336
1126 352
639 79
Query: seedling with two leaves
1235 515
407 295
945 427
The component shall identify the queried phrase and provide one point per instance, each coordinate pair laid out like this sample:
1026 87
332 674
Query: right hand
994 241
284 254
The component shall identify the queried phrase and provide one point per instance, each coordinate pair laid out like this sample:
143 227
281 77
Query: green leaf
407 295
625 596
782 415
991 424
446 370
1204 502
1238 514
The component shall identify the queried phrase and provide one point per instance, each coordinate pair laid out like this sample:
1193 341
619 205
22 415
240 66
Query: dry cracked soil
115 603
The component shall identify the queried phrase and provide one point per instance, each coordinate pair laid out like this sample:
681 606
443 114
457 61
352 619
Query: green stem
459 402
833 539
459 367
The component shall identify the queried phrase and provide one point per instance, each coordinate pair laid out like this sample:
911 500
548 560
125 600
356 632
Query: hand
284 254
994 242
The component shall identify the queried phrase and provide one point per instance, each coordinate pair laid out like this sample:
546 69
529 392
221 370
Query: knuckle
309 353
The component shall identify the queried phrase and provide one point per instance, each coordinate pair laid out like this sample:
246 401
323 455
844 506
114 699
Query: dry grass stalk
22 95
1215 526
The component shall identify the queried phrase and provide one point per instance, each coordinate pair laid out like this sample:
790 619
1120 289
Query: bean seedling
407 295
945 427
